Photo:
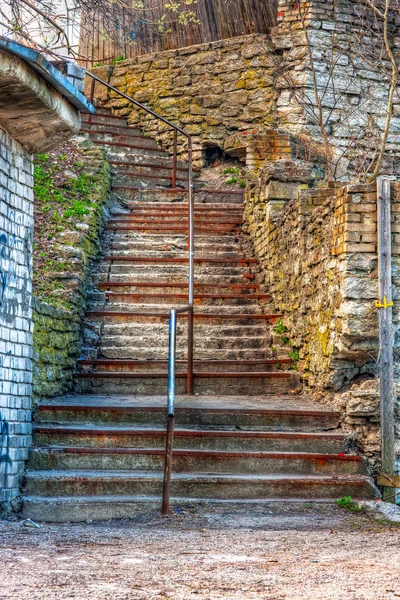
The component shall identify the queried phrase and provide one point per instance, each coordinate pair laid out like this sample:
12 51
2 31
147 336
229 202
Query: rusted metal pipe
189 383
168 465
175 159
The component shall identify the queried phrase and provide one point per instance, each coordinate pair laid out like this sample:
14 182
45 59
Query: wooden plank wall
129 33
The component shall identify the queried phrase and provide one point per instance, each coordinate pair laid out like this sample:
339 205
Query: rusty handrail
174 311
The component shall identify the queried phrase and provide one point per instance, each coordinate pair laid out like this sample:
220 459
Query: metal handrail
174 311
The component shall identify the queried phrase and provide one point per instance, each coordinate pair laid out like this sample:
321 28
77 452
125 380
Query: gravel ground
291 551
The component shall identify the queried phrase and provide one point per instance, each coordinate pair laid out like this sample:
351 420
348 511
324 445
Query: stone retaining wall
209 89
257 81
318 257
57 331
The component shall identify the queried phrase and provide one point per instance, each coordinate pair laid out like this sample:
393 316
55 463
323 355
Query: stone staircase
247 434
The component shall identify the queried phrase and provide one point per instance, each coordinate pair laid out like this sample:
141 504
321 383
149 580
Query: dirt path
285 551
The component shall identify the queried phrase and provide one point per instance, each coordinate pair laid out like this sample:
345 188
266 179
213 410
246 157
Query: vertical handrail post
384 306
171 414
175 158
189 387
189 383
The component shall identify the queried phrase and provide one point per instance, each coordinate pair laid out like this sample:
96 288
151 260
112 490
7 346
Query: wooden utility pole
384 306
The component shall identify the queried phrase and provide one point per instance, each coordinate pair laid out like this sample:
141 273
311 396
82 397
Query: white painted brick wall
16 231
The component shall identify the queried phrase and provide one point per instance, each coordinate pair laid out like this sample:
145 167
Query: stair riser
119 301
163 229
142 181
126 343
181 368
157 287
209 488
207 386
202 270
157 196
123 138
162 354
118 128
228 444
151 179
156 244
116 154
189 464
274 421
75 510
172 278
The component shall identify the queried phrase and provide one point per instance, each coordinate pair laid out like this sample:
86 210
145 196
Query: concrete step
168 228
129 146
285 413
130 330
122 138
161 167
90 351
212 365
118 300
87 508
195 461
116 338
179 287
163 216
115 127
241 315
102 275
192 485
124 243
155 384
118 157
178 195
106 117
205 439
156 176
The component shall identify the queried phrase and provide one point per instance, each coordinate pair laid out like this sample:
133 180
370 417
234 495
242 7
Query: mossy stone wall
57 321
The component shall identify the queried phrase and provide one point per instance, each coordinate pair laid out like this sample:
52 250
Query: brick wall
16 229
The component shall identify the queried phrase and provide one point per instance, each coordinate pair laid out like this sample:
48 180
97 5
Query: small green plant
231 171
242 183
117 59
294 355
42 158
62 157
78 210
308 505
232 180
274 351
279 328
98 64
348 504
278 366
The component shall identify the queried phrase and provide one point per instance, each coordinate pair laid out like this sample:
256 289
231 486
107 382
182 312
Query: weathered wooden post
384 305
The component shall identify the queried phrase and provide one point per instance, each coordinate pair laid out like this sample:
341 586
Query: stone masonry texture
16 230
57 333
319 259
260 81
